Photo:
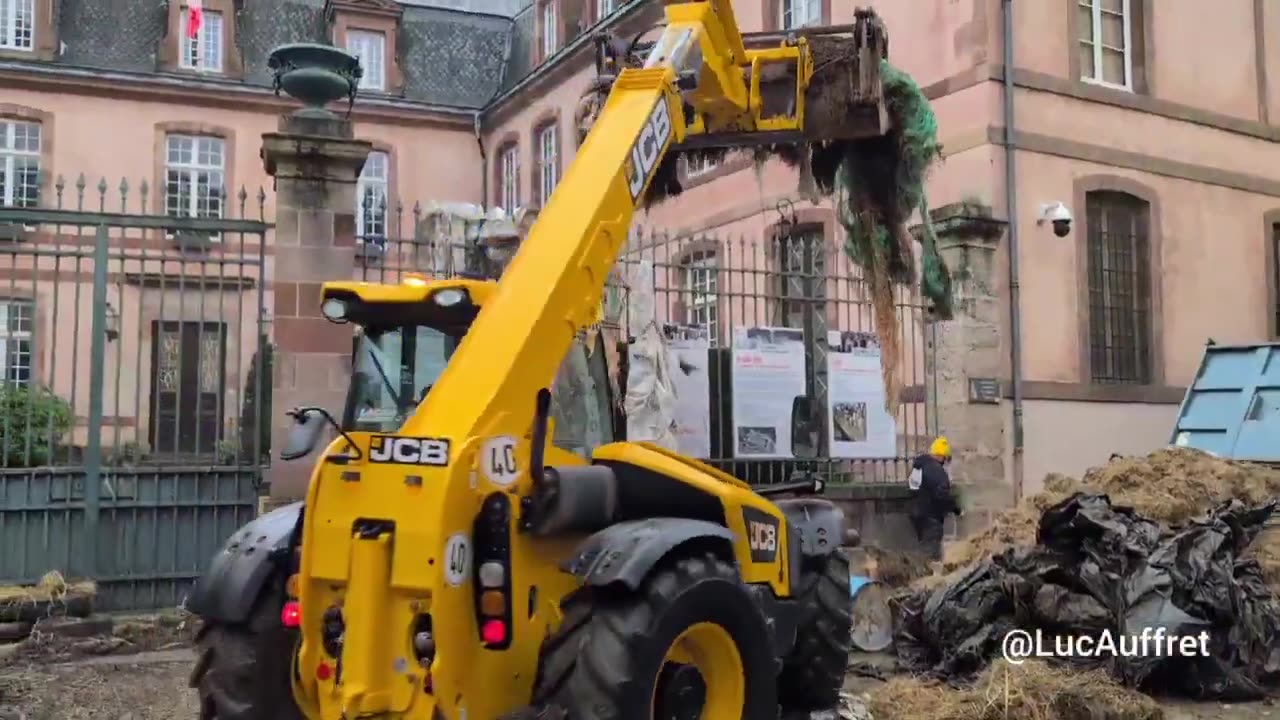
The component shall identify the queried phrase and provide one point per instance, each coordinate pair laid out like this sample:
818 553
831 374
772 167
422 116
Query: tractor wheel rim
702 676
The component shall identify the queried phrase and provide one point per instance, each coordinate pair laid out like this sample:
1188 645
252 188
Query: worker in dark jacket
934 499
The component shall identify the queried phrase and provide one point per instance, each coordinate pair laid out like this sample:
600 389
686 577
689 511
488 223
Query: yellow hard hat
940 447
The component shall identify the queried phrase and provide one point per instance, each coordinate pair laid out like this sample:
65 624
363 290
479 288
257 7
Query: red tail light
494 632
291 614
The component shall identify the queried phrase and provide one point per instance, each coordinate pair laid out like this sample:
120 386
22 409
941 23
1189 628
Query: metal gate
134 384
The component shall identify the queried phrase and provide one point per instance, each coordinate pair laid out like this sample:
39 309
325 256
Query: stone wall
968 358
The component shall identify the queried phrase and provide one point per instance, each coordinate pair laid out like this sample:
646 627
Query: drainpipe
484 161
1015 294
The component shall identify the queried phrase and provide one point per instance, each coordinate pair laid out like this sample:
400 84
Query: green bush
33 424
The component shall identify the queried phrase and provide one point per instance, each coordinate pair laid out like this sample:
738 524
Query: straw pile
895 569
52 595
1031 691
1172 486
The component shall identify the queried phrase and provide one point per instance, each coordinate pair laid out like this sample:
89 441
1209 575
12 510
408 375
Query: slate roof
453 52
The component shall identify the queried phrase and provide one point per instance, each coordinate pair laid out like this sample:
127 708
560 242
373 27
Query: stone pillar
965 398
315 162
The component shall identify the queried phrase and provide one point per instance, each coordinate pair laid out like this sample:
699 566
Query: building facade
1156 124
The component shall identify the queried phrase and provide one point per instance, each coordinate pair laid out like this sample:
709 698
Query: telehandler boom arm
557 278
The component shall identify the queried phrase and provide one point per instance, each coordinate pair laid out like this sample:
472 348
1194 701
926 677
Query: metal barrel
872 616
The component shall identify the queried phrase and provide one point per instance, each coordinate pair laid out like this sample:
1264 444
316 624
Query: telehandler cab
448 563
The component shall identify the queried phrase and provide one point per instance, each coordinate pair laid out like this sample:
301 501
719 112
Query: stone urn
316 75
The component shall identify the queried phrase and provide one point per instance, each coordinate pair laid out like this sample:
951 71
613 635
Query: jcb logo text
648 148
409 451
762 536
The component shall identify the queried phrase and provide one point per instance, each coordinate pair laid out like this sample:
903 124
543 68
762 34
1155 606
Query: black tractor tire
813 672
604 661
244 671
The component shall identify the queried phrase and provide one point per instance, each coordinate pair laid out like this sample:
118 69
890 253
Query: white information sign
768 375
857 424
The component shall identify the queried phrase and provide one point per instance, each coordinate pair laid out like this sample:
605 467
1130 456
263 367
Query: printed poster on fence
857 424
768 375
687 348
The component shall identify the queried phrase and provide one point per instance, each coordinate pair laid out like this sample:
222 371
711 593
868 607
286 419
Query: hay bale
1031 691
52 596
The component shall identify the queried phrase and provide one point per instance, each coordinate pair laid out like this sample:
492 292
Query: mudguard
228 589
820 523
626 552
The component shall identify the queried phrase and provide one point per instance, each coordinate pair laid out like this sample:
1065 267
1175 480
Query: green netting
879 184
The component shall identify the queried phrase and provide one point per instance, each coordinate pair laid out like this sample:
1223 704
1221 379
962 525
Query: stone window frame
44 41
549 119
23 113
392 223
773 15
822 219
1138 190
509 143
1271 254
703 246
170 54
231 207
733 162
376 16
1141 52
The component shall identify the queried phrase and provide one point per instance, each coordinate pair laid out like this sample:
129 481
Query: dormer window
369 30
17 24
200 39
201 50
550 39
371 49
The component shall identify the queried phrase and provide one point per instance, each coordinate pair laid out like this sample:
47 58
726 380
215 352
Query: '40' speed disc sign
498 461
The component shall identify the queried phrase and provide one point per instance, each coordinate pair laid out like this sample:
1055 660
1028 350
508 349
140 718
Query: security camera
1059 215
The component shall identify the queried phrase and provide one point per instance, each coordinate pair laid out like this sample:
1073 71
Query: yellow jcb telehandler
450 563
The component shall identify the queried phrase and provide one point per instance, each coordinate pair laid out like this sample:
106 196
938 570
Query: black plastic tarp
1102 571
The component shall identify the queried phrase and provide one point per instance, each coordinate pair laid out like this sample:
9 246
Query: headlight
334 309
448 297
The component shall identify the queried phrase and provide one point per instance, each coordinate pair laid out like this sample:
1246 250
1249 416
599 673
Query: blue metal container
872 616
1232 408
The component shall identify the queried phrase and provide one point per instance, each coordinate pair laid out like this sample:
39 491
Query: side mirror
304 433
804 441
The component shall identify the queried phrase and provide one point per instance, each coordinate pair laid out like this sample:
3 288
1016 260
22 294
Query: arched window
1118 267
